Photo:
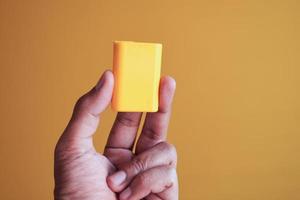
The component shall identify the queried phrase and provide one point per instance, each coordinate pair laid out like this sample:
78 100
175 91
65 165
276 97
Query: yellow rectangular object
136 68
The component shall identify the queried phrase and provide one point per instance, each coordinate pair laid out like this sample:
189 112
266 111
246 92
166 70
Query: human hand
148 173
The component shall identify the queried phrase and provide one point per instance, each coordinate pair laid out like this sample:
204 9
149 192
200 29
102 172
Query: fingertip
116 180
167 91
106 77
109 77
169 82
110 183
100 96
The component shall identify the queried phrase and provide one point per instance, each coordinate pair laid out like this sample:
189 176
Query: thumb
85 118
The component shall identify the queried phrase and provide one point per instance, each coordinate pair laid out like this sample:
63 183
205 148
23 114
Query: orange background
236 119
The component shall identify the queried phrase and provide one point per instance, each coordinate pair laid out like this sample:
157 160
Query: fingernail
100 82
126 194
118 178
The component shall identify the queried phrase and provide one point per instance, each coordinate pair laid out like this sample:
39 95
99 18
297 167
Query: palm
84 173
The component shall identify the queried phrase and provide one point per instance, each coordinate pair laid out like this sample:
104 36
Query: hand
148 173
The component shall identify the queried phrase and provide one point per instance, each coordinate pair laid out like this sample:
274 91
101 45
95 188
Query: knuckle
81 102
173 152
170 149
142 180
138 164
172 174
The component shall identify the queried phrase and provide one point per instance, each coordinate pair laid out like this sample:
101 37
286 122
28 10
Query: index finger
156 124
85 118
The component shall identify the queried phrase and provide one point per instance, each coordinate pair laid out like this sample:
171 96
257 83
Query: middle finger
122 137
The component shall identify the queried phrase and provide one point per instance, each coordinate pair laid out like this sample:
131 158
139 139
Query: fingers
124 130
155 180
122 137
161 154
156 124
85 118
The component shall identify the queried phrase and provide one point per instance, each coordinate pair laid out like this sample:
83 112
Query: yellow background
236 119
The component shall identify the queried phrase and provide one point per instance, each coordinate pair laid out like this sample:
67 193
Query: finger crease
152 135
118 148
127 122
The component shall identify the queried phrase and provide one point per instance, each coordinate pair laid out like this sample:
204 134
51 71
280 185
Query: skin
119 173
